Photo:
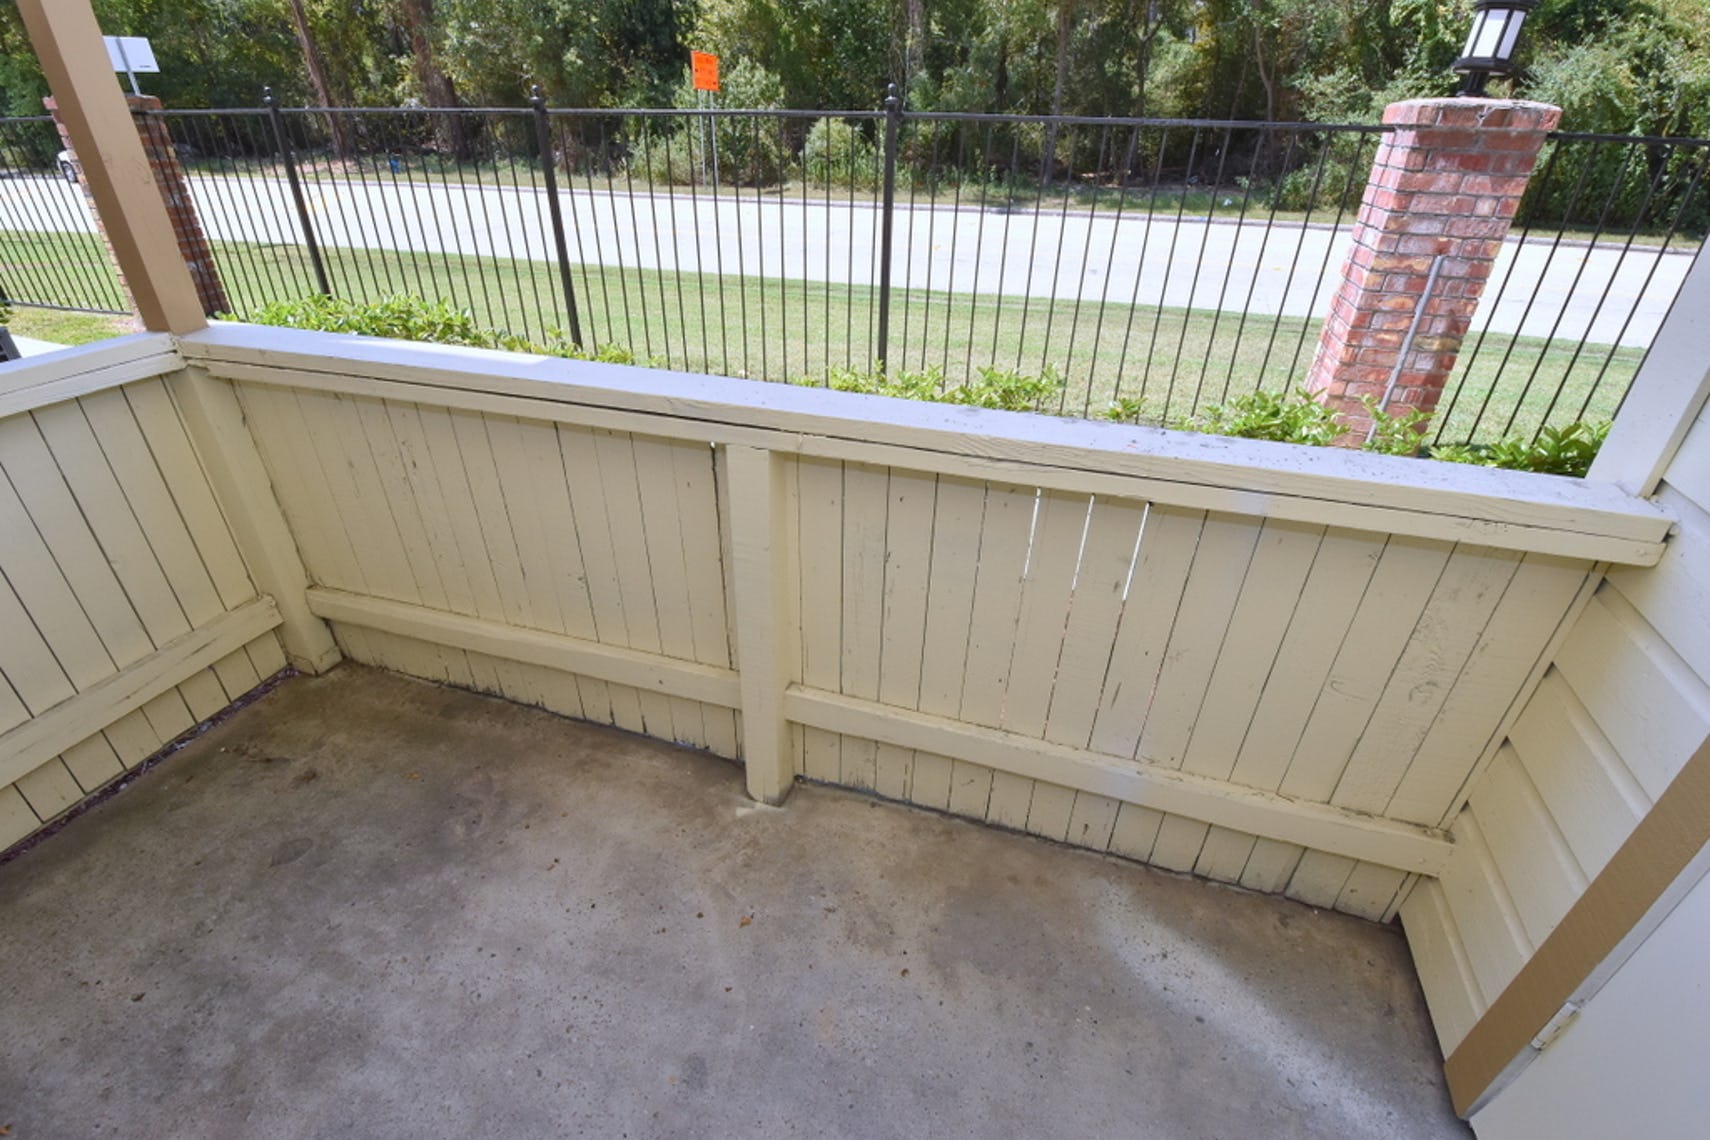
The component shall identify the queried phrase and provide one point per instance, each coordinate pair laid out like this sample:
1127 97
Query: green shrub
840 154
1289 416
1565 450
999 388
406 317
1396 435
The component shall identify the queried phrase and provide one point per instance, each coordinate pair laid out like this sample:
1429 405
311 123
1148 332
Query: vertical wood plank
1270 866
1225 550
1539 599
1482 910
819 487
1180 840
958 514
1319 878
1092 820
1467 593
866 509
1051 811
704 563
16 818
1106 561
1388 614
1340 575
1136 832
1224 855
1004 539
1042 623
1585 787
1643 697
1529 849
1270 594
49 790
1369 891
1167 543
1445 974
930 780
615 454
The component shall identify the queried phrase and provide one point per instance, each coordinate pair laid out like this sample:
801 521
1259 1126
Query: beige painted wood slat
51 732
1538 869
819 522
1649 704
1584 784
1445 973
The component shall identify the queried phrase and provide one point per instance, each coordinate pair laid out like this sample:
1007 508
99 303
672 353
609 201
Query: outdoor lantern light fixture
1490 46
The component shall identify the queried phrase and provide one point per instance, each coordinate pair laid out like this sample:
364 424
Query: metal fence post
277 118
887 220
548 167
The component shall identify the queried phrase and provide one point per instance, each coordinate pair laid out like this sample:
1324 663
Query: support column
174 189
1443 192
120 180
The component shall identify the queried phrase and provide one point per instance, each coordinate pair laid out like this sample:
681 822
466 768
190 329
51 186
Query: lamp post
1490 45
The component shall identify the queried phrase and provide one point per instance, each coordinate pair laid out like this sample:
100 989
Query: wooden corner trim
1658 850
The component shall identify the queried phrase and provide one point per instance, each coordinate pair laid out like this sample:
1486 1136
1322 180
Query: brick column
1443 192
174 191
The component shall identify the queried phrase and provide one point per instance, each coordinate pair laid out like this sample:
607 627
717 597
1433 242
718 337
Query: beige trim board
1318 826
1658 850
649 672
40 739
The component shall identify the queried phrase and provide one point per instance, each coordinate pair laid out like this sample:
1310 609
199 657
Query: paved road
1602 293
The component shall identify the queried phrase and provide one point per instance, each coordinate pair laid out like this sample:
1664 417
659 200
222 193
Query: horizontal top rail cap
37 381
1508 509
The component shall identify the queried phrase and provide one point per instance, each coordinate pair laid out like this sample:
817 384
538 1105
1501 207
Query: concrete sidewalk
367 906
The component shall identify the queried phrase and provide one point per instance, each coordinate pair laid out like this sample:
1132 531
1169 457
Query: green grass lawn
1174 361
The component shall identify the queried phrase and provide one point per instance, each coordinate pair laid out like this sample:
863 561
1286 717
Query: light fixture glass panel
1486 34
1511 35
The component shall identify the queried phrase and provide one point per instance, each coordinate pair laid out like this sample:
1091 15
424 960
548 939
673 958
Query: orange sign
705 67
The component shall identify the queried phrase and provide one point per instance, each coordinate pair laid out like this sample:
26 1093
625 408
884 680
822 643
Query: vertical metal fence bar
280 139
887 221
555 211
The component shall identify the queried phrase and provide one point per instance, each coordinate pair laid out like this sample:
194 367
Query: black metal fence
50 253
1150 266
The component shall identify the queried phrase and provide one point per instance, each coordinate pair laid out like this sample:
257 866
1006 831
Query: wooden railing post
218 432
761 521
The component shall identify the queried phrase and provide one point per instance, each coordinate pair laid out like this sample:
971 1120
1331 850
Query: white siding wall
1632 1064
126 611
1625 702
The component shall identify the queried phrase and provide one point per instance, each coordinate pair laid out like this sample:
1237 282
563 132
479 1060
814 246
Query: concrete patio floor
369 906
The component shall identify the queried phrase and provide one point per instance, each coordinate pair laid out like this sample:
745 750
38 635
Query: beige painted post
760 548
92 107
216 425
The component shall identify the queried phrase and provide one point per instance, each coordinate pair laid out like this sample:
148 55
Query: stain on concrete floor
369 906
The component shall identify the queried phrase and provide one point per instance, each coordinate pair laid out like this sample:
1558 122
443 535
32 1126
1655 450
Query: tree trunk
1065 24
449 132
324 91
1149 28
914 44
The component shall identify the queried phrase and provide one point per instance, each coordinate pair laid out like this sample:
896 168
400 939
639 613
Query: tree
415 18
321 81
